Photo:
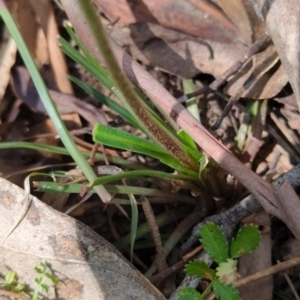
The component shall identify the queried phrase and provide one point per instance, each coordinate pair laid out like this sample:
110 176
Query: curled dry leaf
25 90
38 26
282 21
264 72
260 78
176 52
87 266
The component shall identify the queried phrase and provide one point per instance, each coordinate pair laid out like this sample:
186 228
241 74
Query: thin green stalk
131 99
63 151
48 103
138 174
161 220
191 104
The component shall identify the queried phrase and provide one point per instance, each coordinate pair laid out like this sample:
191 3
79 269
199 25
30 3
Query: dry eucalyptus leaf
87 266
179 15
244 17
268 76
266 72
175 52
282 21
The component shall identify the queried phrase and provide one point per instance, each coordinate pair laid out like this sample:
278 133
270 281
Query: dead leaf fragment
282 21
88 267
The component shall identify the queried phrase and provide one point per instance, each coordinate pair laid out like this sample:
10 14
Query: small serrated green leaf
199 269
225 291
214 242
188 294
246 241
10 277
227 271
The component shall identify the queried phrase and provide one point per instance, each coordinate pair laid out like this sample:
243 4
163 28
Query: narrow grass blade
139 174
120 139
64 151
117 108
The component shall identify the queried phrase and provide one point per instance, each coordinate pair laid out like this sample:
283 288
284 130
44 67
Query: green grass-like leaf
188 294
138 174
199 269
246 241
64 151
225 291
93 68
214 242
117 108
120 139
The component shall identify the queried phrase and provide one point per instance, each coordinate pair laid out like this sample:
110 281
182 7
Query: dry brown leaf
244 17
258 260
8 51
175 52
270 78
181 54
45 13
24 89
282 21
32 33
216 14
38 26
265 71
88 267
172 14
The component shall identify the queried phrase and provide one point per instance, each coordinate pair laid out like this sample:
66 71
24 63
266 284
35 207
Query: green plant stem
132 101
48 103
139 174
207 290
64 151
161 220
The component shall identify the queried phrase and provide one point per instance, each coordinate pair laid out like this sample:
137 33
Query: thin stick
179 265
160 255
269 271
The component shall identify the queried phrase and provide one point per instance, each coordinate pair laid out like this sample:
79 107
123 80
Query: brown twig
154 230
181 229
179 265
269 271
